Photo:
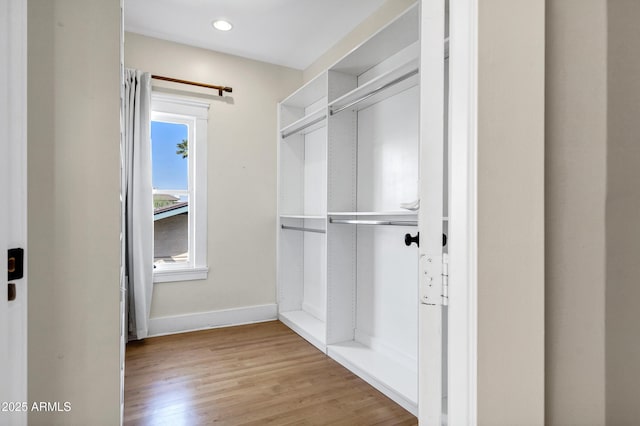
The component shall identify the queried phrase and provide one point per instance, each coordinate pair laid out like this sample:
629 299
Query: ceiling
292 33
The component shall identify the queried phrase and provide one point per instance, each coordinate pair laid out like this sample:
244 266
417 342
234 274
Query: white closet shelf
307 124
302 216
394 379
308 94
395 36
403 213
307 326
391 83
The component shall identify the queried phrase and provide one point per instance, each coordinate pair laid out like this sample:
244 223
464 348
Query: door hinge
434 279
445 279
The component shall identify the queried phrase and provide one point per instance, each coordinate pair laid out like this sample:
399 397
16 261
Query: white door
432 310
13 313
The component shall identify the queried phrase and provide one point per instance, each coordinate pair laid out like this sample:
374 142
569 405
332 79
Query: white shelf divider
396 380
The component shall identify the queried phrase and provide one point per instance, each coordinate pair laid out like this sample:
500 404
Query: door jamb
463 283
14 145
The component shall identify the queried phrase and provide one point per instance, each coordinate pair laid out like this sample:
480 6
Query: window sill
173 275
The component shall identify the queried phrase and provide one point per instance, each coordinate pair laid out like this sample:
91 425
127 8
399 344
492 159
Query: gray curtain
138 201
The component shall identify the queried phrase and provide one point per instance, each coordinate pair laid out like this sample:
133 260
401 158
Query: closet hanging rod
374 222
299 228
376 91
220 89
304 126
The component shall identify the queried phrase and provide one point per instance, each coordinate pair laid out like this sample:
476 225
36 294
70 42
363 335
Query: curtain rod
220 89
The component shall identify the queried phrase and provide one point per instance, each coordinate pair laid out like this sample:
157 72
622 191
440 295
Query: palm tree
183 148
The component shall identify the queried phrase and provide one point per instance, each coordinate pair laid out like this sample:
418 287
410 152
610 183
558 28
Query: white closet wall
348 158
387 280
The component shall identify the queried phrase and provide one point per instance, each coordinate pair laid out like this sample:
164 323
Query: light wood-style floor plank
258 374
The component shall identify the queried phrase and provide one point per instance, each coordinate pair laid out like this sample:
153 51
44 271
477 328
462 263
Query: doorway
174 288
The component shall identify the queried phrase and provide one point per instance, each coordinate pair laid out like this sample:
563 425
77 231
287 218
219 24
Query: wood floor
259 374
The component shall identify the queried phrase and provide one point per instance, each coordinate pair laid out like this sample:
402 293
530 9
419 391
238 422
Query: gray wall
576 148
73 209
623 214
510 212
593 206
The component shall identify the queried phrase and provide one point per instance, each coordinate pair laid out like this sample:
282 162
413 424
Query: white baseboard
384 348
204 320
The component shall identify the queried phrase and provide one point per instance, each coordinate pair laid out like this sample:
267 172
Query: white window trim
175 274
182 110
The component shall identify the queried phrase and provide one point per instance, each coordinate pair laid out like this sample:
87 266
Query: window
179 179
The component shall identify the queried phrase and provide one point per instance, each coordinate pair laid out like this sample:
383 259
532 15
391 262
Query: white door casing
462 309
13 218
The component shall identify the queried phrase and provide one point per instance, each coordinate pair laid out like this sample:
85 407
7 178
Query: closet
348 161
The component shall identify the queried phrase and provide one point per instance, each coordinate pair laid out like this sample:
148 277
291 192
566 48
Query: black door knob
408 239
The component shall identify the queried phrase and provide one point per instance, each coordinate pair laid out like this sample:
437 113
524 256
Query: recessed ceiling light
222 25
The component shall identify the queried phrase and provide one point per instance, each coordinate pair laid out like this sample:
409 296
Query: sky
170 170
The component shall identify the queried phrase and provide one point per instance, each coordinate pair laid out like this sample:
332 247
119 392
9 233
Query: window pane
170 166
171 233
169 153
